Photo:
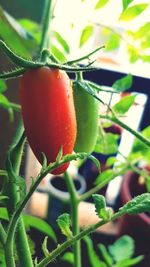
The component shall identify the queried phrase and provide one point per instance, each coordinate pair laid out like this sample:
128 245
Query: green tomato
86 107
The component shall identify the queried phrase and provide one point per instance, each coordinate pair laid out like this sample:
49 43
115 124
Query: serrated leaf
101 3
40 225
107 144
61 41
86 34
93 257
139 204
122 249
100 203
132 12
124 104
126 3
113 42
64 223
123 84
3 86
68 257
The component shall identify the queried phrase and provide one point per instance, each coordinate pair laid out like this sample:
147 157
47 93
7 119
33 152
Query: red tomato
48 113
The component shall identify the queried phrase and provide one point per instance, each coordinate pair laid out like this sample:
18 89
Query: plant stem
18 211
126 127
13 164
101 184
74 216
55 253
47 15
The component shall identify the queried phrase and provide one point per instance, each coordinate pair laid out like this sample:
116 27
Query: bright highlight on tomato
86 107
48 113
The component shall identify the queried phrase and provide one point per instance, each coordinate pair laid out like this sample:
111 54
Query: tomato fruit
86 107
48 113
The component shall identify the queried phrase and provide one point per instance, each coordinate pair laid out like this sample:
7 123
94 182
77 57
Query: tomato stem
47 15
74 216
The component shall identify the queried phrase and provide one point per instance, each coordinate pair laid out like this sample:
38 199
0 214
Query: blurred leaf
4 214
138 204
124 104
107 144
132 12
2 257
86 34
133 53
15 36
125 3
122 249
140 150
107 258
68 257
101 3
31 27
58 54
40 225
142 31
64 223
110 161
3 86
113 42
129 262
123 83
4 102
146 58
104 176
61 41
93 258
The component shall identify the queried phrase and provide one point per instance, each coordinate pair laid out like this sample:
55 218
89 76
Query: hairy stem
74 216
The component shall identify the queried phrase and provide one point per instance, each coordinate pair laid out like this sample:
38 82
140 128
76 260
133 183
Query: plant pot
138 226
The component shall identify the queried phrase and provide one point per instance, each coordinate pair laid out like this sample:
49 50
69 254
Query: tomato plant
48 113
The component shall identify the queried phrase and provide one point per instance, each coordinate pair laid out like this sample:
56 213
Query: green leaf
101 3
122 249
133 53
107 144
137 205
3 86
107 258
132 12
64 223
110 161
61 41
123 83
58 53
100 207
129 262
4 214
86 34
143 31
104 176
124 104
93 258
40 225
126 3
140 150
32 28
68 257
15 36
113 42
